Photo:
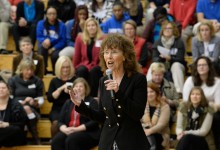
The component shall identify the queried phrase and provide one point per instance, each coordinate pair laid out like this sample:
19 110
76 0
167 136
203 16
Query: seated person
114 24
208 10
75 130
51 35
29 12
73 27
194 121
206 43
140 45
86 57
26 48
65 8
174 60
155 120
58 93
100 10
28 90
12 119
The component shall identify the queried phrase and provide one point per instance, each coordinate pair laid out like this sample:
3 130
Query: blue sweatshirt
112 25
58 40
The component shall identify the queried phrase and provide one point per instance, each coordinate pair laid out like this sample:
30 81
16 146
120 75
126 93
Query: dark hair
75 29
47 24
211 74
160 10
116 40
7 85
203 101
94 5
118 3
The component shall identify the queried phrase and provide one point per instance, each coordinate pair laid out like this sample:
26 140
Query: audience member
65 8
51 35
81 2
184 12
73 27
114 24
28 90
167 89
155 120
120 113
26 48
208 10
153 5
140 45
203 75
5 9
174 59
194 121
29 12
101 10
86 57
206 43
58 93
135 10
153 26
12 119
77 131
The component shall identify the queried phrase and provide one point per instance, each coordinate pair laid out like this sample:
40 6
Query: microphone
109 76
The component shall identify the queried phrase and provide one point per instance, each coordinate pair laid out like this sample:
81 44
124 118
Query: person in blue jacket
51 35
115 23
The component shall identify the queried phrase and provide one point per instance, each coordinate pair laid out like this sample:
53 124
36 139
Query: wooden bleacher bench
28 147
45 108
46 81
6 62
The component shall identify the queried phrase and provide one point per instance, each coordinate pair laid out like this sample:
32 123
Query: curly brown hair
118 41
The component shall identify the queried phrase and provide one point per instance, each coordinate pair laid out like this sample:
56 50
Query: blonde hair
130 22
85 34
158 67
208 24
59 65
85 83
25 63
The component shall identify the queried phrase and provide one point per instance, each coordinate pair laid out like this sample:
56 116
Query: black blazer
121 116
92 127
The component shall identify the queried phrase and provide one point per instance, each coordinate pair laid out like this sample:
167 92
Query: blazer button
106 117
104 108
109 126
117 124
119 106
119 116
116 100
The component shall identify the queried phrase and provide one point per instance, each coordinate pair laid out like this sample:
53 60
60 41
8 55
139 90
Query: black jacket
121 116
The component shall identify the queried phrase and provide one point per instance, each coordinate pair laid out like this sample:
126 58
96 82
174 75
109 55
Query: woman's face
168 31
80 88
129 31
82 15
27 73
114 59
195 97
65 69
4 91
205 32
202 67
99 1
151 94
91 27
51 15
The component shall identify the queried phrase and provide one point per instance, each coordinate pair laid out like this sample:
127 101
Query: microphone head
108 71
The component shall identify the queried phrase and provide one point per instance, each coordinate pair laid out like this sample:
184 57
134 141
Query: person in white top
194 121
203 75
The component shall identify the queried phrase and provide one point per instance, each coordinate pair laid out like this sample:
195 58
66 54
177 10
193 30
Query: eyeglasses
202 65
168 28
112 52
129 29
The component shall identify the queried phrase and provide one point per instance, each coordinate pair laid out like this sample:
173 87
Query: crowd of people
142 47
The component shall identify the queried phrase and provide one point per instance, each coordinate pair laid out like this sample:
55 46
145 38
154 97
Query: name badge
32 86
98 43
35 62
87 103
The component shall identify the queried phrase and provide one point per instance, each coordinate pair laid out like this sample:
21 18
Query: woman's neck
204 77
131 38
51 22
4 101
64 78
100 4
118 75
152 103
207 39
